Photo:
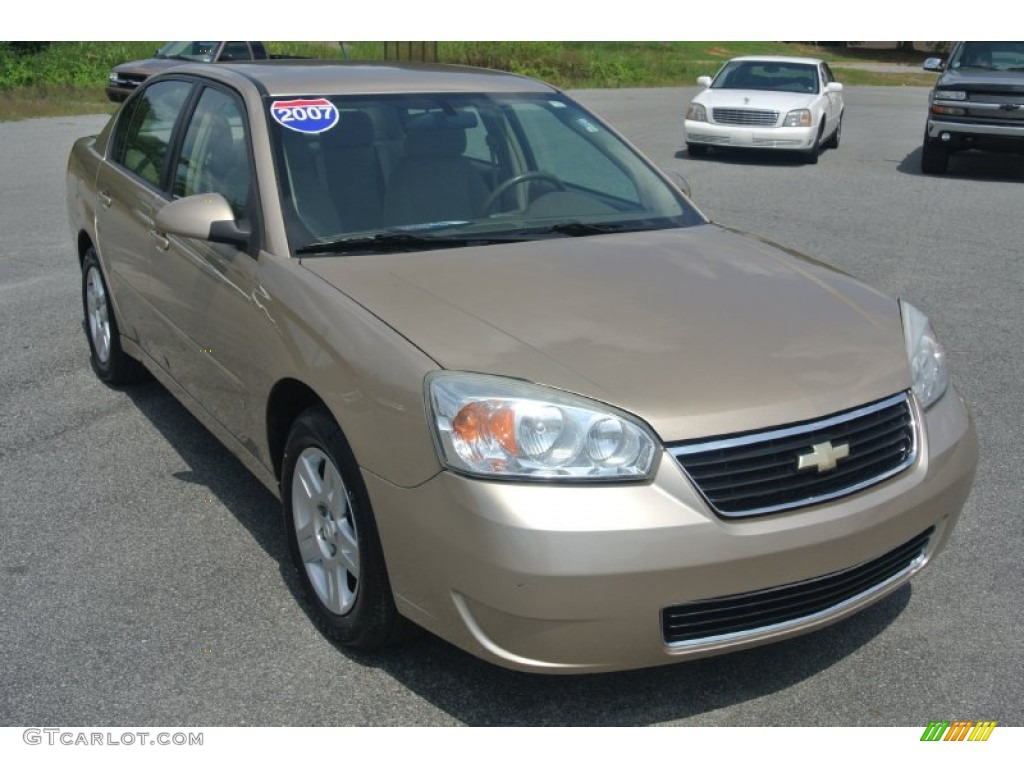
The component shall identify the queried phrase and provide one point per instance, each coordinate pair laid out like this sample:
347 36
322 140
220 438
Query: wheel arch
84 244
288 398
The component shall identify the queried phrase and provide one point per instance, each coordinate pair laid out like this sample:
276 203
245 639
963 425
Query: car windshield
407 172
768 76
1007 55
191 50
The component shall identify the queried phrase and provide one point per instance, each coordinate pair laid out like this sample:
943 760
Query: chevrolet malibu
767 102
509 384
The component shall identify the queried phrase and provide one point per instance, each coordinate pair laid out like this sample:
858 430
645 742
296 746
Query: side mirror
704 81
206 216
834 88
934 64
680 181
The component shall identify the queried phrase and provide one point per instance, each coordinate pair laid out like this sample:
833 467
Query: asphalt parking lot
144 576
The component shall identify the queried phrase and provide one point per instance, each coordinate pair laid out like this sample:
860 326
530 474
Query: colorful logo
958 730
305 115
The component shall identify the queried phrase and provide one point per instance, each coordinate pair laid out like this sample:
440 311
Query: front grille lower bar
763 611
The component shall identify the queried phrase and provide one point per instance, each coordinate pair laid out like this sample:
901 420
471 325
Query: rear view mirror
934 64
680 181
704 81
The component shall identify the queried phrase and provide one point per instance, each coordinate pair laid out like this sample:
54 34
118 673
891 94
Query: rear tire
333 539
106 356
934 156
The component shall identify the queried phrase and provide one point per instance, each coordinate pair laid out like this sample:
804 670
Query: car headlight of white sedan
696 112
798 118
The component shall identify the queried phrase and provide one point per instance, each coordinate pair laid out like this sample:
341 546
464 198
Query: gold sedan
510 385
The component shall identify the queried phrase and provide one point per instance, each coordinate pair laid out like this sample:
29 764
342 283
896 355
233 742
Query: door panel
129 187
203 291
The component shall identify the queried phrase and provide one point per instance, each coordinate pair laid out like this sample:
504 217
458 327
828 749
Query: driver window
214 156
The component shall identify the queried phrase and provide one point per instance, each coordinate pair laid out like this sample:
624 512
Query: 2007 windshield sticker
305 115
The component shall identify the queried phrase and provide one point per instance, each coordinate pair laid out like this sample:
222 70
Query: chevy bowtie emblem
1010 107
823 456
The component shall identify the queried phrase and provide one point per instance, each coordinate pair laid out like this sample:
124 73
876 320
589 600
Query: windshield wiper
386 242
583 229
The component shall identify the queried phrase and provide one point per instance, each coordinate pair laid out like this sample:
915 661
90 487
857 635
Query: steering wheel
505 186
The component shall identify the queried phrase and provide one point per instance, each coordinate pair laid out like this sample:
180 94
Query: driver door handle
105 199
162 242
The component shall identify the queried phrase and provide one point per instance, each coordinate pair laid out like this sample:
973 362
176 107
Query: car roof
320 76
780 59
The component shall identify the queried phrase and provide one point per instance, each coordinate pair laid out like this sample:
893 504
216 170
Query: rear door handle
105 199
161 242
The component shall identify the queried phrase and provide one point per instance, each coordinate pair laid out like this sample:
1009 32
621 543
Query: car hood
147 66
987 78
777 100
699 331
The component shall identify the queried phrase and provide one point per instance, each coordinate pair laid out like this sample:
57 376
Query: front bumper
968 135
118 93
575 578
749 137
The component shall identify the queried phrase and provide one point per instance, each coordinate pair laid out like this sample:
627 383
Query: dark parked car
125 78
977 103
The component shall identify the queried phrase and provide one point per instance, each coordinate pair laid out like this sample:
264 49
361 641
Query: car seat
433 180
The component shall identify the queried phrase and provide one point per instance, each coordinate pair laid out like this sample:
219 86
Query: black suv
977 103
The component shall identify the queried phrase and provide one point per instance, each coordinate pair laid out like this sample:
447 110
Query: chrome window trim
760 437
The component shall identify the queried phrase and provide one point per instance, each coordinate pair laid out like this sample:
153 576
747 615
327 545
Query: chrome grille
771 609
759 473
744 116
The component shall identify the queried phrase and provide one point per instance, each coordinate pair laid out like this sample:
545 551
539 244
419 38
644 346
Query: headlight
950 95
925 354
696 112
112 78
940 109
798 118
497 427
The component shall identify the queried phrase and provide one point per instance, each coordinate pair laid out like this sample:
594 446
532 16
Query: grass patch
53 101
64 78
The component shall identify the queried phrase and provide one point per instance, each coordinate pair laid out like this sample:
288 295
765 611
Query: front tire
833 140
811 156
106 356
697 150
934 156
332 536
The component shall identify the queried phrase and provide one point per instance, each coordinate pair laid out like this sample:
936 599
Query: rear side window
143 146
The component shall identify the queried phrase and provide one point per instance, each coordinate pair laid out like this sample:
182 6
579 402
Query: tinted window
150 124
768 76
981 54
214 156
193 50
237 50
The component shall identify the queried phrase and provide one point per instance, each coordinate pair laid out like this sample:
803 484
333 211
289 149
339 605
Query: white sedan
767 102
